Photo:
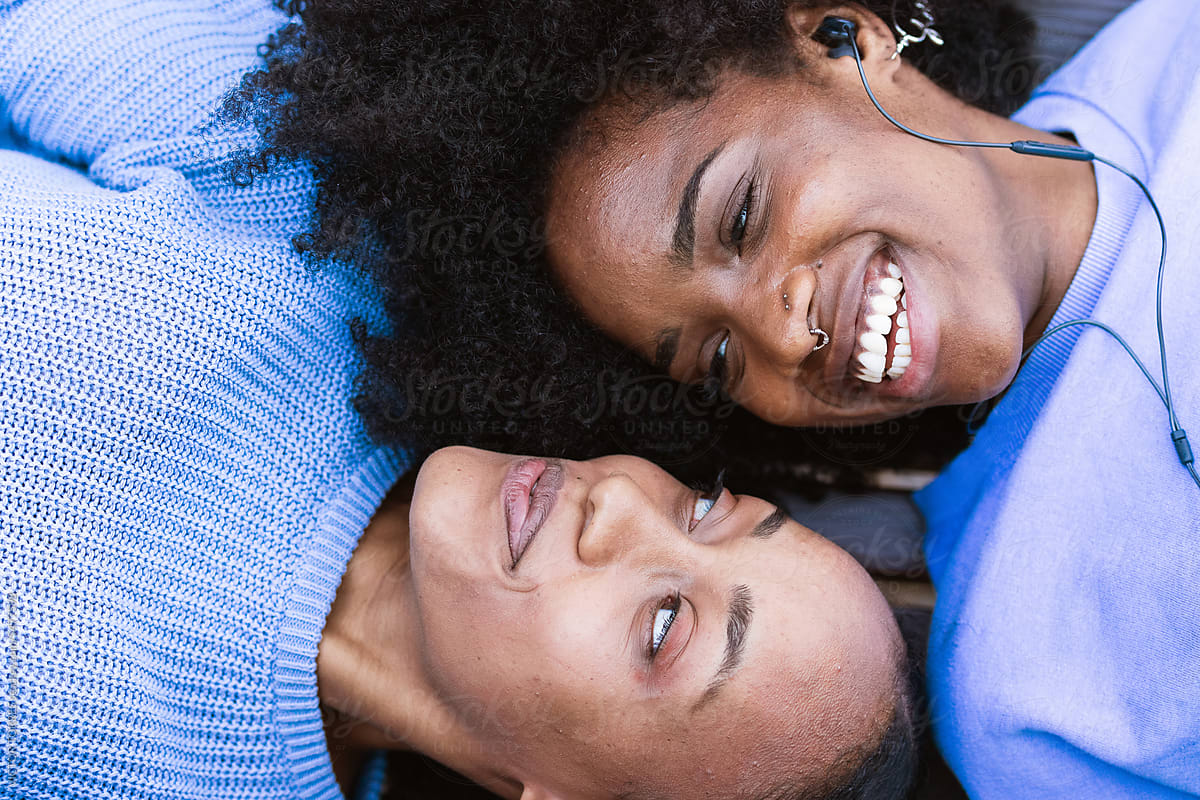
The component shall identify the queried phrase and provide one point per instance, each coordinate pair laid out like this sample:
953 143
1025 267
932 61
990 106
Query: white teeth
873 361
886 298
873 342
891 287
903 301
882 304
879 323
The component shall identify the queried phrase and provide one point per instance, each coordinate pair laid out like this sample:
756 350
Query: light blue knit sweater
182 476
1064 657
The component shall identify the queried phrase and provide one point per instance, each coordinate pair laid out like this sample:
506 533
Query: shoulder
1076 704
78 78
156 286
1140 73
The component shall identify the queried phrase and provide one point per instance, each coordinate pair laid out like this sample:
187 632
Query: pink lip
527 494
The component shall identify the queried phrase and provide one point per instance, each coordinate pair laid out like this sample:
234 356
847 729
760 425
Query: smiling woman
678 185
721 253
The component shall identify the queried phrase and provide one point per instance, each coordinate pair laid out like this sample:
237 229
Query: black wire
1178 435
1097 324
905 128
1162 263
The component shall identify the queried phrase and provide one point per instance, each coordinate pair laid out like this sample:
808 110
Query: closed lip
527 495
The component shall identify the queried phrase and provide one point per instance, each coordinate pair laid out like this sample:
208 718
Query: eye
741 218
718 368
705 501
664 618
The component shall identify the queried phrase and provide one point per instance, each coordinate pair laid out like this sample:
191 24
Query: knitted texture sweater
182 476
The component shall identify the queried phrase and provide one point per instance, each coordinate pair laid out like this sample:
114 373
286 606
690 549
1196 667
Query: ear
875 40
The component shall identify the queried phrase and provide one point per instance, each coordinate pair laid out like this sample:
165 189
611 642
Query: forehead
627 145
616 189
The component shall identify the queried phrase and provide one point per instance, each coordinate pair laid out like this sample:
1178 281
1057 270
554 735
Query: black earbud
836 33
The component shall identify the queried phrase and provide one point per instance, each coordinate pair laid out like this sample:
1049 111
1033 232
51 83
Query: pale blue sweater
1065 542
182 475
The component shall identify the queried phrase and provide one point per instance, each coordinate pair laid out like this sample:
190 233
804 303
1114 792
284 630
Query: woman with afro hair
438 132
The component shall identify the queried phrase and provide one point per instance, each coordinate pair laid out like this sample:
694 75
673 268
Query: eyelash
718 368
742 217
712 495
739 227
670 604
674 602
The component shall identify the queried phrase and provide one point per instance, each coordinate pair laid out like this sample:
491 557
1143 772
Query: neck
1051 209
371 680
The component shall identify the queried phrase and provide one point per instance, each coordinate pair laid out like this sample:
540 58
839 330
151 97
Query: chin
448 516
994 384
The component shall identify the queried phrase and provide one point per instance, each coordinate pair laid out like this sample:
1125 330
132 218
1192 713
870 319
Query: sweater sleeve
78 78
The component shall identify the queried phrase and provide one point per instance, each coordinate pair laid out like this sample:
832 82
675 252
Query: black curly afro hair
432 127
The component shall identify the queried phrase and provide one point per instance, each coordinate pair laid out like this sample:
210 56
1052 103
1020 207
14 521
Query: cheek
495 680
577 679
626 306
458 641
774 399
520 666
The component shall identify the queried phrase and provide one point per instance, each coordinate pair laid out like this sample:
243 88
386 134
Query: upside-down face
608 628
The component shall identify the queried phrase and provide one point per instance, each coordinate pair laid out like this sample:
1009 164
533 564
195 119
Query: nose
624 525
776 318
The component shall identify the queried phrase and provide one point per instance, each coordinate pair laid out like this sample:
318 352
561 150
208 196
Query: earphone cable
1179 438
1162 264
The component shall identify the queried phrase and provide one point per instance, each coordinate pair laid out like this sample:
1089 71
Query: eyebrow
771 525
683 242
737 624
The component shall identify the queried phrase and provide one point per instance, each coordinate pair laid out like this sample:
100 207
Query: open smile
874 339
883 344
